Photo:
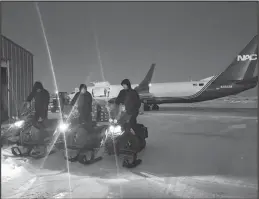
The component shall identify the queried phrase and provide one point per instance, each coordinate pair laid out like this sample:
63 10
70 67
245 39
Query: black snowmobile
85 144
28 138
115 133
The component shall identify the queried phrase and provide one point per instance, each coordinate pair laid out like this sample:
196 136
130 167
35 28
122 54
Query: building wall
4 92
19 62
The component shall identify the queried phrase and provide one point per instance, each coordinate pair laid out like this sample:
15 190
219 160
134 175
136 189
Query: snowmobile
119 126
84 143
115 133
30 139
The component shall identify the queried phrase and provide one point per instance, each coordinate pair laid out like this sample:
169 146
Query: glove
28 105
123 108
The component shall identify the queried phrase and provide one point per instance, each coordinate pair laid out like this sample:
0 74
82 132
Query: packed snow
193 153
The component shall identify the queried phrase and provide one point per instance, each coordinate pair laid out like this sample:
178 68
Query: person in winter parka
41 97
83 100
130 98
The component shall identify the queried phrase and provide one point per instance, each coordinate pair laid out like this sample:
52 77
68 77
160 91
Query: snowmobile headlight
118 129
111 128
63 126
115 130
113 121
19 123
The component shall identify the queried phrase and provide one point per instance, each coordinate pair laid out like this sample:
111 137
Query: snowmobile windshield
24 119
25 111
116 112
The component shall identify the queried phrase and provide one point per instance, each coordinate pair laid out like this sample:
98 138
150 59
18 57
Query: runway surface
198 152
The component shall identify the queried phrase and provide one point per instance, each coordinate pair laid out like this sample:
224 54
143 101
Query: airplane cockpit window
201 84
194 84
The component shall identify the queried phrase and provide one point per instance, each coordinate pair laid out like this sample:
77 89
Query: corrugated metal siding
20 63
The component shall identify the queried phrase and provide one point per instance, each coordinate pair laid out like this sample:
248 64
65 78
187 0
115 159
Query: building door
5 105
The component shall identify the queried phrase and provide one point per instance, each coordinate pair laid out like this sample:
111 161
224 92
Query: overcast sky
185 39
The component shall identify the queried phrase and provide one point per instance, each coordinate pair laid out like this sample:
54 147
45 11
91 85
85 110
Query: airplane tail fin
144 85
244 65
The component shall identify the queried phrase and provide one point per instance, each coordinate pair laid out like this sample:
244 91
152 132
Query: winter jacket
74 100
130 98
84 103
41 99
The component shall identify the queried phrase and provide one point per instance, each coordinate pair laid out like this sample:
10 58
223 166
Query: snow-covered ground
198 153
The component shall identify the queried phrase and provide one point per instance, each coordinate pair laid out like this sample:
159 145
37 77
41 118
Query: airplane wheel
155 107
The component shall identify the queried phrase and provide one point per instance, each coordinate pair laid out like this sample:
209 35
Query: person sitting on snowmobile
84 135
83 101
41 97
130 98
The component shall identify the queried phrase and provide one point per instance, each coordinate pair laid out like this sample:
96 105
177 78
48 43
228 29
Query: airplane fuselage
182 92
196 91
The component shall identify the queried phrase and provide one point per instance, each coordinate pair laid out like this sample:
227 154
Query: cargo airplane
237 77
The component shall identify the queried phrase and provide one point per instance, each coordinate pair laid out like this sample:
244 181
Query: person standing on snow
130 98
41 97
83 101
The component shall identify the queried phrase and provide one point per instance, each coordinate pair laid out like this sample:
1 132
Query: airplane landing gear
153 107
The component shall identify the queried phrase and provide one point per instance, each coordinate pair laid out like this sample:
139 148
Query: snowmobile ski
89 157
134 164
130 159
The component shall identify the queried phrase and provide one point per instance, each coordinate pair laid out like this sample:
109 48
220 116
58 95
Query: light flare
56 88
63 127
106 99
